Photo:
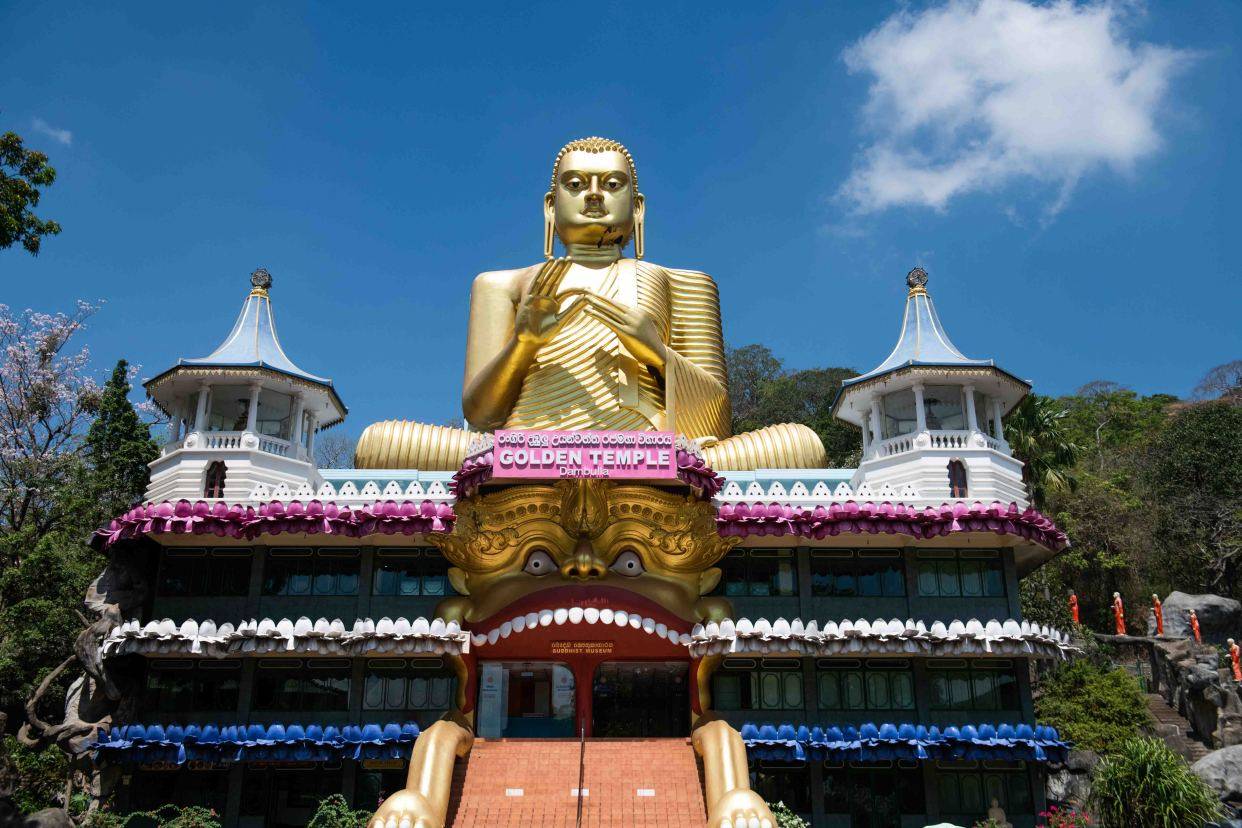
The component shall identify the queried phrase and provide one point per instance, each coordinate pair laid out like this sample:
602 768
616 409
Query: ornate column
920 413
174 421
998 430
310 437
972 420
866 432
200 416
295 432
252 414
876 421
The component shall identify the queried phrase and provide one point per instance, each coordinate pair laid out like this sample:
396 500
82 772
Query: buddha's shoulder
678 273
512 280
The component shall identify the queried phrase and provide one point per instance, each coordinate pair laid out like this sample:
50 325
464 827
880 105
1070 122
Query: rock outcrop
1219 617
1191 680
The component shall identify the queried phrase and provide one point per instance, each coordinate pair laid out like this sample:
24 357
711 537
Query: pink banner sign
623 455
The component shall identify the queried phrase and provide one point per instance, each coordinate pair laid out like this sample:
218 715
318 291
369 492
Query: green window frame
960 574
754 684
874 794
301 571
185 686
857 574
411 572
199 572
959 684
297 686
397 684
759 573
864 685
970 787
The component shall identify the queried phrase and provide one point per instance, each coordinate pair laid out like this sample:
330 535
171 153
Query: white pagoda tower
243 415
931 417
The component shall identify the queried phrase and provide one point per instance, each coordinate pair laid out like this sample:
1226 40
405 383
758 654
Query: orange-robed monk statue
594 340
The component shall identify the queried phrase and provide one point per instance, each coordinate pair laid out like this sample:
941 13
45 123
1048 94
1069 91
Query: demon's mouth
592 606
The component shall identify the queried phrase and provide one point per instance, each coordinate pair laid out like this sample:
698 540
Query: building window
150 789
411 572
899 413
199 572
416 688
311 572
780 782
970 787
965 574
857 574
759 573
228 407
275 415
874 794
289 796
751 684
957 479
213 484
865 685
944 408
184 686
291 685
985 684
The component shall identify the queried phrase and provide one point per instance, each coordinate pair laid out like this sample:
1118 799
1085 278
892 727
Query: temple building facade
632 616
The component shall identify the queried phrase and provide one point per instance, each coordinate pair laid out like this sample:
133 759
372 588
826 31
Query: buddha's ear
640 210
709 579
458 578
549 224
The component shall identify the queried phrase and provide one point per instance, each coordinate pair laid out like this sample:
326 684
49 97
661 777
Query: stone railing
223 439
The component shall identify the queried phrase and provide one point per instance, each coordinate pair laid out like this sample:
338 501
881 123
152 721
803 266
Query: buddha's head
593 199
633 548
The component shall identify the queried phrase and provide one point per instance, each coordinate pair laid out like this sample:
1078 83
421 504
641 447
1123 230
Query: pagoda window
759 573
229 408
313 686
874 793
411 572
213 485
957 479
783 782
183 686
968 788
899 413
772 684
982 685
869 685
275 417
866 573
964 574
945 407
301 571
417 688
199 572
983 413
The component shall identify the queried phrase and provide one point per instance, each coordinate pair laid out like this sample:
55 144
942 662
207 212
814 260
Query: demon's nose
584 564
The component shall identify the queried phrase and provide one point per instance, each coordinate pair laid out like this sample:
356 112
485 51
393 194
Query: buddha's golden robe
584 378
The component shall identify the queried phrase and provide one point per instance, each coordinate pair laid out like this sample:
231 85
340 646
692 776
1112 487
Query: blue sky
1067 174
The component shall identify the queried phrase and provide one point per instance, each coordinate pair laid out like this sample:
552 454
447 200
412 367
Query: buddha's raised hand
539 314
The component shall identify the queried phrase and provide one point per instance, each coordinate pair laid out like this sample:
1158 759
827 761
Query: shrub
165 816
40 776
1095 707
786 818
334 812
1055 817
1144 784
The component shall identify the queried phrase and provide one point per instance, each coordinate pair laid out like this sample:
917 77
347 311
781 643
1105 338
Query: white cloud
63 136
974 95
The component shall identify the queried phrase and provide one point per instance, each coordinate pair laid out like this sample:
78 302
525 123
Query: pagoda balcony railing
936 439
237 441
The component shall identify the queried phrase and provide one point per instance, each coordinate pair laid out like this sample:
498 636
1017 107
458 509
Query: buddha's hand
741 808
405 809
634 327
539 314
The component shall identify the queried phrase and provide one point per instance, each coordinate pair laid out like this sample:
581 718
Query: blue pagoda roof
923 340
253 342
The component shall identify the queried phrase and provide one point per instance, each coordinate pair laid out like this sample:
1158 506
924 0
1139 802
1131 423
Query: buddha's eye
628 564
539 563
574 184
614 183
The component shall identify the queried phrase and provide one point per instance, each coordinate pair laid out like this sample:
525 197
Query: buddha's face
594 201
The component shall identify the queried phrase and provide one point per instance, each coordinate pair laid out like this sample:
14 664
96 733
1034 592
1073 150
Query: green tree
118 448
334 812
22 172
1193 476
1144 784
1096 707
1037 432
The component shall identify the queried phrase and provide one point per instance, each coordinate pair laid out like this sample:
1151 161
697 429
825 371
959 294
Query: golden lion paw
741 809
405 809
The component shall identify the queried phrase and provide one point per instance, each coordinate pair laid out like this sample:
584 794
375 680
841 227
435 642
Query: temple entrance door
641 699
526 699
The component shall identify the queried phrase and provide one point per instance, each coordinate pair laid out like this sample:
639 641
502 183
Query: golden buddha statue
594 340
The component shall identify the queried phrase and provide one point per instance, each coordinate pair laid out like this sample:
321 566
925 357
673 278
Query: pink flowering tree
47 398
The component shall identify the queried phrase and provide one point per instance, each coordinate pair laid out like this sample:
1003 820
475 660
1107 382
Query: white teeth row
581 615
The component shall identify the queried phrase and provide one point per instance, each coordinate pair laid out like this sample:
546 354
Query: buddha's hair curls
594 144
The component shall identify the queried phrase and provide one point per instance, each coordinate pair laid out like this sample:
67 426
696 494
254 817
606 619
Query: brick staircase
1174 729
644 783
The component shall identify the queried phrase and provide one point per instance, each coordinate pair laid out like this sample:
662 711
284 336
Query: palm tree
1039 436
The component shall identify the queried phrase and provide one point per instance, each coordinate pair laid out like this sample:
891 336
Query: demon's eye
629 564
539 563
